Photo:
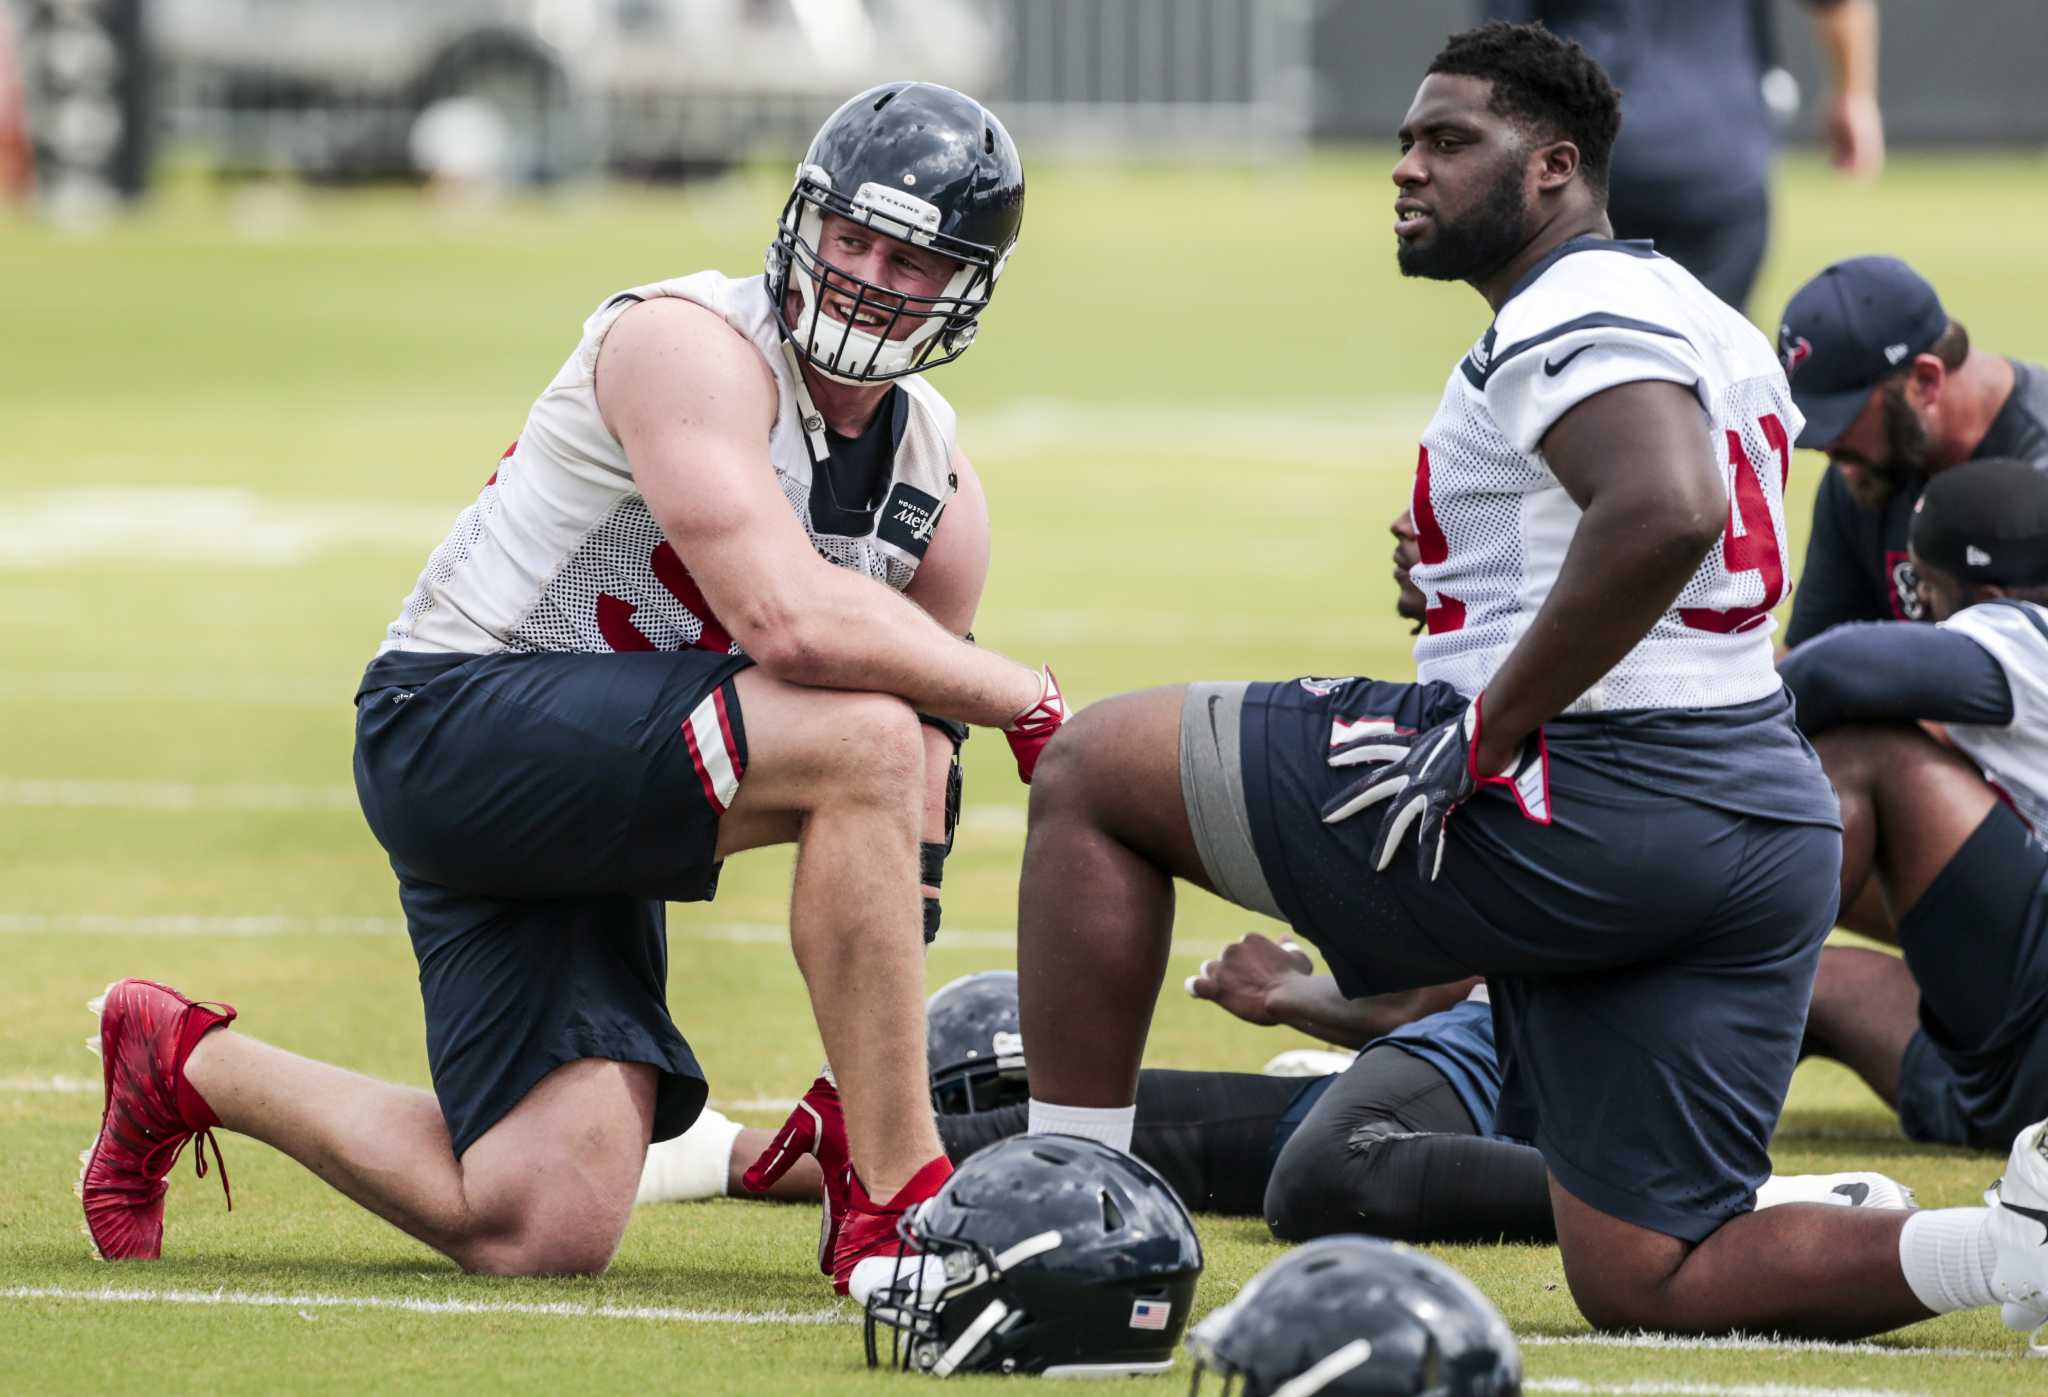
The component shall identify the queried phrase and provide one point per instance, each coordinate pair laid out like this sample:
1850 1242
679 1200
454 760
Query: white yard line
1743 1343
264 925
175 797
1655 1387
1649 1387
662 1314
21 1084
180 797
61 1084
185 924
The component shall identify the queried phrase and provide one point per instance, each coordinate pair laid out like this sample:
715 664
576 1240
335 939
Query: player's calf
1108 833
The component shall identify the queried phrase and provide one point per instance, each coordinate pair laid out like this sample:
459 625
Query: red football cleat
817 1127
868 1230
146 1032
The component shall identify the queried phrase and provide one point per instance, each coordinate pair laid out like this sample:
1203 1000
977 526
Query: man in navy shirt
1894 393
1692 166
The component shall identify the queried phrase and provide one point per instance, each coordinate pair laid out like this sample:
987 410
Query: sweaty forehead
1449 98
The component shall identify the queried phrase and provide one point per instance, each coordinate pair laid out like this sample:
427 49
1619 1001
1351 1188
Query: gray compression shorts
1212 784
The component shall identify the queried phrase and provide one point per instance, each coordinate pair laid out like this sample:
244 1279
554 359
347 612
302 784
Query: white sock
1947 1256
1109 1124
696 1164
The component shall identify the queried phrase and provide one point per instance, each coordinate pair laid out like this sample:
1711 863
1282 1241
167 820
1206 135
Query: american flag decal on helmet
1150 1314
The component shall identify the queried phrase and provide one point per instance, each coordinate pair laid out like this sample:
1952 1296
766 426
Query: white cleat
870 1274
2019 1236
1308 1062
1859 1188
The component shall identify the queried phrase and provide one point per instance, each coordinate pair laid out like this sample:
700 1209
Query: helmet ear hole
988 140
1112 1216
885 99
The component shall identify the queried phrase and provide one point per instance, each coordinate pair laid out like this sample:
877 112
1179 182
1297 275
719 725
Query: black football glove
1427 775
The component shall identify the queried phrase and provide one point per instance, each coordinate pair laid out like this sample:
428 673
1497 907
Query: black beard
1907 451
1477 244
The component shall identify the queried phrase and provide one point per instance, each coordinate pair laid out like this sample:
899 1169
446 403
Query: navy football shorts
1977 943
1650 959
538 811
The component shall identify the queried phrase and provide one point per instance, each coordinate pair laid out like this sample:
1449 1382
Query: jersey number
1449 613
615 617
1755 549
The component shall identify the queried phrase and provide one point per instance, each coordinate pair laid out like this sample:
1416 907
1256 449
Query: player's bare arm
1851 119
1269 983
1637 460
696 444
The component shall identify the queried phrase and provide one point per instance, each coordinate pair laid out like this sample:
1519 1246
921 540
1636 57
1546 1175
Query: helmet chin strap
808 416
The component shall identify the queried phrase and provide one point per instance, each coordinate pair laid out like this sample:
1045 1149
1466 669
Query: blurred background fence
535 91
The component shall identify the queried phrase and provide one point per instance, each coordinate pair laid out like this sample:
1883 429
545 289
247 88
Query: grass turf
236 425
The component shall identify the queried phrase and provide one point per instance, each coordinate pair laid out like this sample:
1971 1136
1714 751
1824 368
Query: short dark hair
1952 346
1546 83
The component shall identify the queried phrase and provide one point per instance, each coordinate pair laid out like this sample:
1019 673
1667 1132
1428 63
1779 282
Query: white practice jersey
1494 523
2014 757
560 552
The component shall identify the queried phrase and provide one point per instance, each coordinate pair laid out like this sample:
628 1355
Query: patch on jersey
1322 688
908 517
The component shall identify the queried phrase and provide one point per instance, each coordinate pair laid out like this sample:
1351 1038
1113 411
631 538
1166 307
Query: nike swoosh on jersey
1556 367
2037 1214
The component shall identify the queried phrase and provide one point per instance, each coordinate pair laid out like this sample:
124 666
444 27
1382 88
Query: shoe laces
176 1146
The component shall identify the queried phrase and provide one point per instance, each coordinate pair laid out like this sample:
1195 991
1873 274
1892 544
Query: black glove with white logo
1426 776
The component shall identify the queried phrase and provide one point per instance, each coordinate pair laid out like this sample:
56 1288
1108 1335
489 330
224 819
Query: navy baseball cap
1848 330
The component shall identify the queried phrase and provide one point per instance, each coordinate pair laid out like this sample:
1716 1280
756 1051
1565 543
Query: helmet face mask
1054 1255
915 162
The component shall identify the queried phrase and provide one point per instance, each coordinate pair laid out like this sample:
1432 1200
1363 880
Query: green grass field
234 428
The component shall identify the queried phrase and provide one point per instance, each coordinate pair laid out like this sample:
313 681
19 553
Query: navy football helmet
1358 1317
1042 1254
917 162
973 1044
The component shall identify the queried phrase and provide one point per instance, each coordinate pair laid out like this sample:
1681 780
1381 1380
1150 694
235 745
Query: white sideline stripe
22 1084
177 796
271 925
1745 1343
1651 1387
256 925
130 688
59 1085
207 525
1343 427
111 1295
183 796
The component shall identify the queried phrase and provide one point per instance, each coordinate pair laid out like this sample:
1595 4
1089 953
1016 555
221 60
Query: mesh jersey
1494 523
2014 756
560 552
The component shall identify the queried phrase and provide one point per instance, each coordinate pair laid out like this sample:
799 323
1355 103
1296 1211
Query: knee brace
931 855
